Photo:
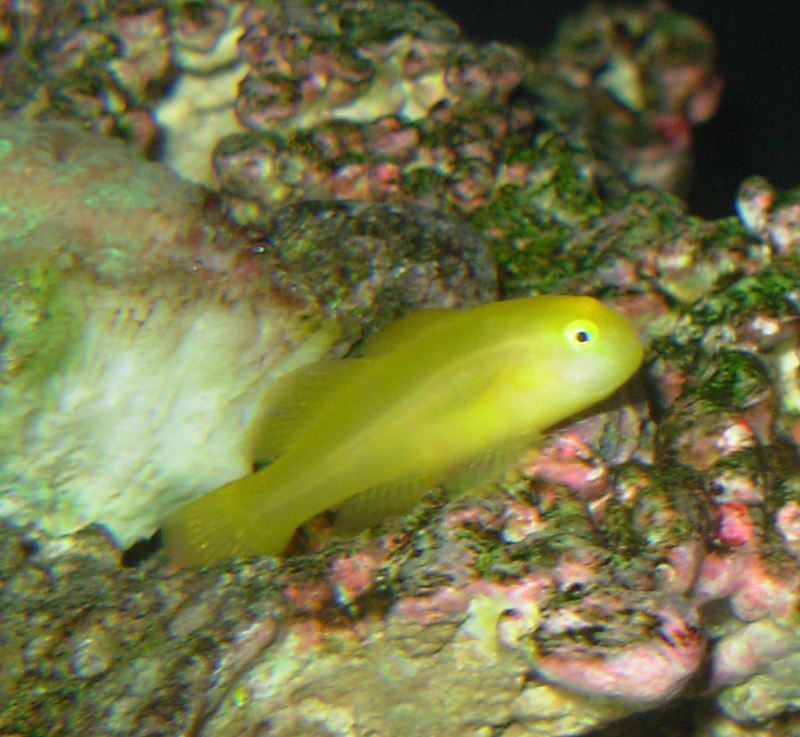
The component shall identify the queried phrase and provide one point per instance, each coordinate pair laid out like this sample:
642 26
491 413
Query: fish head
577 351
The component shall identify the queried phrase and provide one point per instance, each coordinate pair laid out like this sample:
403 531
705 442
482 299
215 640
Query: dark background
757 127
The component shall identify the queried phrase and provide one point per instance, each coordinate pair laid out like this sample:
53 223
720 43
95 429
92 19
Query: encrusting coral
140 331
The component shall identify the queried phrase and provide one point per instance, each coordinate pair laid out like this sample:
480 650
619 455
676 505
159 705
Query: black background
757 128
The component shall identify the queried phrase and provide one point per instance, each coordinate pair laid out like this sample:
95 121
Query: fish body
429 396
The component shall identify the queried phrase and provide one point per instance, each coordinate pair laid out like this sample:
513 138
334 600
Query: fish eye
581 332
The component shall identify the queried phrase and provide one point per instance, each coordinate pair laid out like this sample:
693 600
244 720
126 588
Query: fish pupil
580 332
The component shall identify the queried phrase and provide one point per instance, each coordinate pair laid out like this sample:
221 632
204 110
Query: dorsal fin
293 400
406 328
296 396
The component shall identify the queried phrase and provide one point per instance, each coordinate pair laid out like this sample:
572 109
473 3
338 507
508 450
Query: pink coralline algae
648 671
647 75
362 99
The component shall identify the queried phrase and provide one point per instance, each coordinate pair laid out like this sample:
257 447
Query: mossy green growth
664 511
768 292
37 323
562 231
736 380
533 222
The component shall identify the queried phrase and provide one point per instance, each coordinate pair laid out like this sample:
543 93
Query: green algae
37 323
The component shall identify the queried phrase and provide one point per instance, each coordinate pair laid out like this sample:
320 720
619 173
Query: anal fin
373 506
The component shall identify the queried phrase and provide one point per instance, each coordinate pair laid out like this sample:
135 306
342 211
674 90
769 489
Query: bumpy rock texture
646 557
140 329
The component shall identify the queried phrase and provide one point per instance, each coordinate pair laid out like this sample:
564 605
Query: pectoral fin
293 401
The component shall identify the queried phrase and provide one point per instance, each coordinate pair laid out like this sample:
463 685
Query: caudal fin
229 522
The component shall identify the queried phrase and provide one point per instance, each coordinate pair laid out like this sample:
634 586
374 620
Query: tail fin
233 521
